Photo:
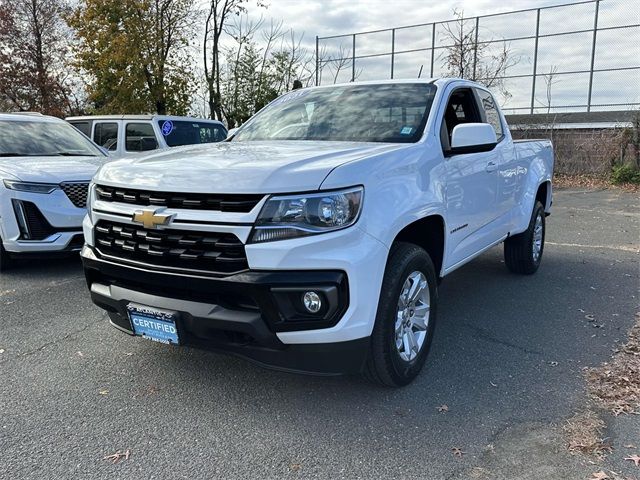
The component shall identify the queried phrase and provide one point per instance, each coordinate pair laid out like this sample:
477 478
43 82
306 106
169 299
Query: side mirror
472 138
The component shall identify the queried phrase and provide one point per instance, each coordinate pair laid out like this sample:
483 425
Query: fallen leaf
117 456
104 391
590 317
599 476
493 384
443 408
1 350
457 452
553 364
80 354
128 354
295 467
635 459
631 445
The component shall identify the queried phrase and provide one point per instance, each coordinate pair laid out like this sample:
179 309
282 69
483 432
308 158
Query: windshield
20 138
395 112
178 132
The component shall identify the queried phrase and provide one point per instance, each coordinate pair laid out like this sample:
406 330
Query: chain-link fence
581 56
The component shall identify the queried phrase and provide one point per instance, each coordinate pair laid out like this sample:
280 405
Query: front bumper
63 231
241 314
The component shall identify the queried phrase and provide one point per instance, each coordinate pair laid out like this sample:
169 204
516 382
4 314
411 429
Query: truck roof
439 81
142 117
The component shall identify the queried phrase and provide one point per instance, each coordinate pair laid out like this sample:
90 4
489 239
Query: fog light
312 302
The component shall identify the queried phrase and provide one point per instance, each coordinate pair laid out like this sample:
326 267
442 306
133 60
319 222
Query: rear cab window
185 132
492 114
139 137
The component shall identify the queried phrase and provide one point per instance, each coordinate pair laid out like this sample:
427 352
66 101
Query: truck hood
238 167
50 169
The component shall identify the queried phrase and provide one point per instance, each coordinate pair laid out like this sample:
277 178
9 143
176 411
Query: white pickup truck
314 239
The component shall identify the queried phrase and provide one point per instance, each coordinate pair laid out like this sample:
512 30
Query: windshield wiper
71 154
15 154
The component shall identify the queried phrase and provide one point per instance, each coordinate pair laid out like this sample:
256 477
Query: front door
471 185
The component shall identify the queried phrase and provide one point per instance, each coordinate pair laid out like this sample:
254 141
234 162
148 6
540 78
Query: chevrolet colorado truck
314 239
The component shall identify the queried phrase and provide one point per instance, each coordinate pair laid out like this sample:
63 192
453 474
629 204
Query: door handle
491 167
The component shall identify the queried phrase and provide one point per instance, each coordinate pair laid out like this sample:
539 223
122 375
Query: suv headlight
291 216
30 186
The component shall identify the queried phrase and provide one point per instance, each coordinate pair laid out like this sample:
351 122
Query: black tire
384 365
519 255
5 260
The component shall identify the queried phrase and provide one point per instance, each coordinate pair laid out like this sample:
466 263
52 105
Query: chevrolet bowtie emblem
150 218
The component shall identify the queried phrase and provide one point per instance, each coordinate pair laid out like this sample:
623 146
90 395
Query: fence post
475 49
433 46
535 62
393 49
593 54
353 59
317 63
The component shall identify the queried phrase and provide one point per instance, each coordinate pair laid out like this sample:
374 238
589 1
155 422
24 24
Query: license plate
154 324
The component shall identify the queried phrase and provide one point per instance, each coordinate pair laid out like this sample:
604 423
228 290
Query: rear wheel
5 260
405 319
523 252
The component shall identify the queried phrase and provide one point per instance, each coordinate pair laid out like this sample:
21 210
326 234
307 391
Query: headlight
90 189
292 216
30 186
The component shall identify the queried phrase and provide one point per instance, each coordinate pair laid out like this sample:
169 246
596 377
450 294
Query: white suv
128 135
45 169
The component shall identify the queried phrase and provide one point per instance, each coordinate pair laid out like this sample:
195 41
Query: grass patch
622 174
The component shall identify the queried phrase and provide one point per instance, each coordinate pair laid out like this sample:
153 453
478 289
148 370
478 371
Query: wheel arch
543 195
428 233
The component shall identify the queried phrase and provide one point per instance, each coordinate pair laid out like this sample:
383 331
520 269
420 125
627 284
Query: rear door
504 157
471 183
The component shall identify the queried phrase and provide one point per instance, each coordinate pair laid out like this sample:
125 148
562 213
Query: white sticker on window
406 130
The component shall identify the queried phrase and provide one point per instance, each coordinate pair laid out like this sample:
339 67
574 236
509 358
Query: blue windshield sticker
406 130
167 127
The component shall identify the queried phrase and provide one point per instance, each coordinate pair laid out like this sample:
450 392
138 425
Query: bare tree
465 56
343 60
218 15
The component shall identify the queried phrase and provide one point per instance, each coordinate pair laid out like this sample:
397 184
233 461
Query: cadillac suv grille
218 253
77 192
195 201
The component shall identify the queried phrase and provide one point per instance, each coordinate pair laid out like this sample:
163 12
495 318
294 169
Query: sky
615 48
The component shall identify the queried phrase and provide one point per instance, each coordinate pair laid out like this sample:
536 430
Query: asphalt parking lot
506 361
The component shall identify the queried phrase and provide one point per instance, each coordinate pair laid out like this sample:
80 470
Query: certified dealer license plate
153 324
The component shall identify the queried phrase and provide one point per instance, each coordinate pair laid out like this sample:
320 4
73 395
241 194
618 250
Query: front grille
33 225
195 201
77 192
218 253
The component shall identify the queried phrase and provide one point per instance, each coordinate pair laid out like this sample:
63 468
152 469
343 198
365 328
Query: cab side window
491 112
105 134
140 137
461 108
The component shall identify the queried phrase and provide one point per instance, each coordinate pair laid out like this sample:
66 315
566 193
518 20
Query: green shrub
625 174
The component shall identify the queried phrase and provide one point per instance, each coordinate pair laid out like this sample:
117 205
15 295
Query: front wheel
523 252
405 319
